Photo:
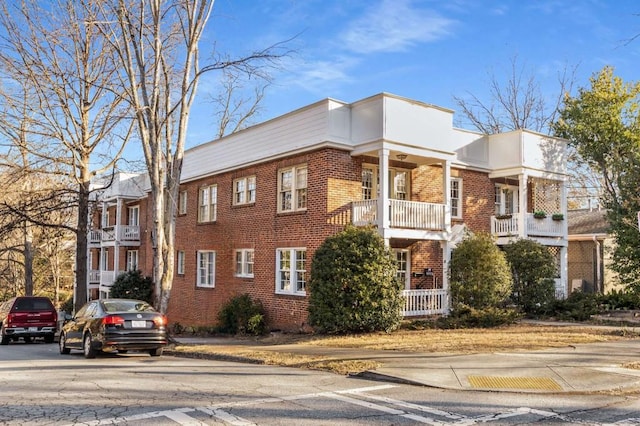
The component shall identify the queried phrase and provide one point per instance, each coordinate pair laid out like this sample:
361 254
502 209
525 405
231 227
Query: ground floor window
403 266
206 269
244 263
291 271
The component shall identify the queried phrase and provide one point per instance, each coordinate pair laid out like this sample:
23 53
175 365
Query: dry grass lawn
271 350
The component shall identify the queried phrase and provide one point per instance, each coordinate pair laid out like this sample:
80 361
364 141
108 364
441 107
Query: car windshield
127 306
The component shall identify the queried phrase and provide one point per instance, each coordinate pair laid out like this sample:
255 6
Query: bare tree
57 59
233 111
158 43
517 103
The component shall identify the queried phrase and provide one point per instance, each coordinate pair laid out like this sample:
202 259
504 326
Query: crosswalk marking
357 396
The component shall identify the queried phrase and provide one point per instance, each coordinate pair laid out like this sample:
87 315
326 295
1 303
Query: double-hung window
132 260
292 189
244 263
206 269
456 198
244 190
291 271
180 262
182 202
207 203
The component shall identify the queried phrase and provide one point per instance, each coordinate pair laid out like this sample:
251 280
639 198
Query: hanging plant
557 216
539 214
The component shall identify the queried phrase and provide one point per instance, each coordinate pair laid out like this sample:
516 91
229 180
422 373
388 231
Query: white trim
180 261
208 268
246 266
459 198
291 272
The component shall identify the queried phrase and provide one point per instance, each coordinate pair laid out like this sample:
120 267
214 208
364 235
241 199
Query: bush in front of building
353 284
533 270
132 285
578 306
242 315
479 275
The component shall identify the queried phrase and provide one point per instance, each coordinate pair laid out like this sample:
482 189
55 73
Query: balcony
107 278
94 238
402 214
94 276
535 227
121 233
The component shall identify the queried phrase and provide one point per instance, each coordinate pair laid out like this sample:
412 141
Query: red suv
27 317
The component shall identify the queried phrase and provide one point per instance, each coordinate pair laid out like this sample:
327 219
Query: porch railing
543 227
425 302
95 236
121 232
402 214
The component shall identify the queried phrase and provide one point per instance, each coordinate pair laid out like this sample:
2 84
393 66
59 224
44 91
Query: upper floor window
207 203
456 198
506 200
291 271
244 263
182 202
244 190
105 218
134 216
292 189
180 262
206 269
400 186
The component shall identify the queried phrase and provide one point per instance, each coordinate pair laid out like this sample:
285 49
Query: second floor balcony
402 214
527 225
121 233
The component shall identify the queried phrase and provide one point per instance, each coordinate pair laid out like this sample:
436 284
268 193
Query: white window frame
403 266
456 202
180 262
132 260
105 218
206 262
244 190
369 184
244 263
399 183
289 275
292 196
134 216
506 200
182 202
207 204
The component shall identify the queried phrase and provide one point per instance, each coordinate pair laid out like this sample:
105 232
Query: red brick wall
260 227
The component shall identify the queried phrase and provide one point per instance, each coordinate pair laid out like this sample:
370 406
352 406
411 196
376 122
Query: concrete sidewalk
586 368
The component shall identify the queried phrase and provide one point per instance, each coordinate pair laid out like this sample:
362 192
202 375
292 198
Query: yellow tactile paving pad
493 382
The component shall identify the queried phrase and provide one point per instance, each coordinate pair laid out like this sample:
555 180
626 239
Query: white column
522 204
383 194
446 258
116 242
446 185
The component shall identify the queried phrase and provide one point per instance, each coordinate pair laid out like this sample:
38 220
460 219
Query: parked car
27 317
111 325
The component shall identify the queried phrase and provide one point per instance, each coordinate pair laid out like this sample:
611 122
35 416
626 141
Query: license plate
33 328
139 324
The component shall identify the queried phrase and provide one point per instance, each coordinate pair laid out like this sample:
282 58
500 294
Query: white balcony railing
94 237
121 233
402 214
543 227
107 278
425 302
94 276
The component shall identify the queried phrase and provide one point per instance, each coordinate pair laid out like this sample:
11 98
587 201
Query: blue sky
422 49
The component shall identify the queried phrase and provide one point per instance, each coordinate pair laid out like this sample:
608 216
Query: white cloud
392 26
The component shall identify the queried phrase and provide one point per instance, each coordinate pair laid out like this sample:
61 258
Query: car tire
62 343
49 338
87 347
4 340
156 352
122 351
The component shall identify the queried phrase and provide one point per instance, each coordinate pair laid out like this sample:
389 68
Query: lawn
280 349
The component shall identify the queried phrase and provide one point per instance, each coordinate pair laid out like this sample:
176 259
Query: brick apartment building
255 205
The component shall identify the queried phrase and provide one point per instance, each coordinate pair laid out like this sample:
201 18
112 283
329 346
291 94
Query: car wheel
62 343
155 352
4 339
87 348
122 351
49 338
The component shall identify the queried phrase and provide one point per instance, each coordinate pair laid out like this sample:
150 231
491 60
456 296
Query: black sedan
111 325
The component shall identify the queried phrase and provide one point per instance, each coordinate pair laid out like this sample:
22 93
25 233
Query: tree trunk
81 295
28 259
